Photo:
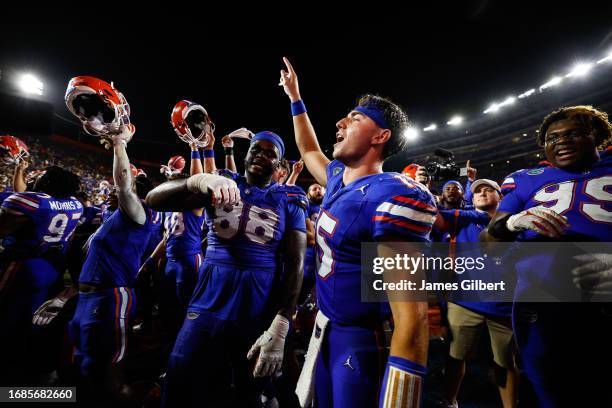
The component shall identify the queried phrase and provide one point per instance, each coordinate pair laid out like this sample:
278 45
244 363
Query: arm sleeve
404 215
468 196
296 217
462 218
22 204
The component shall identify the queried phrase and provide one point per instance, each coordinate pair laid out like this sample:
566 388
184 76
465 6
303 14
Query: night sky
433 65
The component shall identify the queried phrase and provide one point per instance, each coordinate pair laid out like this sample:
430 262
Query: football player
241 290
361 203
35 227
106 304
568 200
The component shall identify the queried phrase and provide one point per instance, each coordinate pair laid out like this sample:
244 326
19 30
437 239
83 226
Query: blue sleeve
296 218
227 173
511 203
462 218
468 196
404 215
508 184
22 204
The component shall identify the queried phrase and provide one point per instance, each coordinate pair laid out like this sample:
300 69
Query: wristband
195 154
500 230
298 107
209 153
229 151
403 383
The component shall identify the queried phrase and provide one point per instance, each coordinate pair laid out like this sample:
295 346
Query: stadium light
527 94
552 82
29 84
607 58
509 101
492 108
431 127
455 120
580 69
411 133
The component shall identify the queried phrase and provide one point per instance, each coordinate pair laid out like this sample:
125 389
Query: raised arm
209 155
19 184
228 147
305 136
128 200
196 168
298 166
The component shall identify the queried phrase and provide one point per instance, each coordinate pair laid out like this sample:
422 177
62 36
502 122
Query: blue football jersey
369 208
250 233
115 251
92 217
584 198
106 213
312 213
465 225
4 195
183 231
53 222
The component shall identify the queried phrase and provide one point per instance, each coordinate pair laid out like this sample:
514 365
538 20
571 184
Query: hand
122 137
193 147
542 220
22 165
298 166
227 141
471 172
224 191
595 274
421 175
211 141
270 346
48 311
289 82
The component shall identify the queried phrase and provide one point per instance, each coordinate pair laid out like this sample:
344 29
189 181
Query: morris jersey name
62 205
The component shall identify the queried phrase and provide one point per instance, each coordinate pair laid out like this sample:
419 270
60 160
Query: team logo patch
337 171
535 172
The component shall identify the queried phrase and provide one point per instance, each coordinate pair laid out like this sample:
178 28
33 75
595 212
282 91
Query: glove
48 311
270 345
224 190
542 220
595 274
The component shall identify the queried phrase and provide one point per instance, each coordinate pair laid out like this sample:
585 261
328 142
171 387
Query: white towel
305 385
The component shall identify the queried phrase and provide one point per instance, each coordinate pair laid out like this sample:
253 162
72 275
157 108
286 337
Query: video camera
442 166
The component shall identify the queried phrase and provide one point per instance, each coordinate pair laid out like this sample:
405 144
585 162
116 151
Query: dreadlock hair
395 117
57 182
594 120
